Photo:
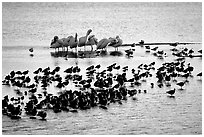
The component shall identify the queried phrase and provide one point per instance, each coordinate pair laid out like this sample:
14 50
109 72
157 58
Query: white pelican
117 43
73 42
83 40
92 41
103 43
56 43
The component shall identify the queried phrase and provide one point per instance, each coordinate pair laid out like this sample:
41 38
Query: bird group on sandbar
87 40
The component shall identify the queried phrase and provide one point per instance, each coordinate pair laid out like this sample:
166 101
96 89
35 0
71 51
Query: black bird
42 114
199 74
174 44
181 84
31 49
141 42
12 74
147 47
90 67
129 52
98 66
171 92
152 85
117 67
69 70
154 49
200 51
25 72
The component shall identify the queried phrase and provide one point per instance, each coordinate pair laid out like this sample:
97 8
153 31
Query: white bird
92 41
56 43
83 40
73 42
103 43
117 43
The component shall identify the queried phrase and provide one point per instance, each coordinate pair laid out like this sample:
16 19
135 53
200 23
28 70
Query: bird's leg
76 52
91 48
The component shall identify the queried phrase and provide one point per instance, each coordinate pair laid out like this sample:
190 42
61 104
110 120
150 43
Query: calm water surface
26 25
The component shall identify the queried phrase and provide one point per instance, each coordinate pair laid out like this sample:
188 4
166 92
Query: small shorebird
199 74
171 92
181 84
31 49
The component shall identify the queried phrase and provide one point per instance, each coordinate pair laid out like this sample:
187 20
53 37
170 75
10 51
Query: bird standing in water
171 92
181 84
83 40
103 43
117 43
199 74
31 51
92 41
73 42
56 43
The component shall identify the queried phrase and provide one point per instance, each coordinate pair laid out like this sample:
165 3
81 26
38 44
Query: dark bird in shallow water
200 51
199 74
171 92
42 114
181 84
31 49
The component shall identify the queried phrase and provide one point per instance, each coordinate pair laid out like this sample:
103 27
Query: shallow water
152 113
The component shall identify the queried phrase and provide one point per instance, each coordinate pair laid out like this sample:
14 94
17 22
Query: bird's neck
76 38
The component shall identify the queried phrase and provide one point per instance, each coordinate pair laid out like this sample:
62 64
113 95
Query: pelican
102 44
65 42
118 42
92 41
73 42
83 40
56 43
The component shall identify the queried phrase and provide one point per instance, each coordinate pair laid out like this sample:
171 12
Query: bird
190 51
117 43
31 49
171 92
83 40
154 49
129 52
200 51
181 84
98 66
141 42
42 114
199 74
147 47
92 41
174 44
56 43
152 85
73 42
103 43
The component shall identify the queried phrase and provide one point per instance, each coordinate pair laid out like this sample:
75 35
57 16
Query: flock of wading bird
99 88
87 40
